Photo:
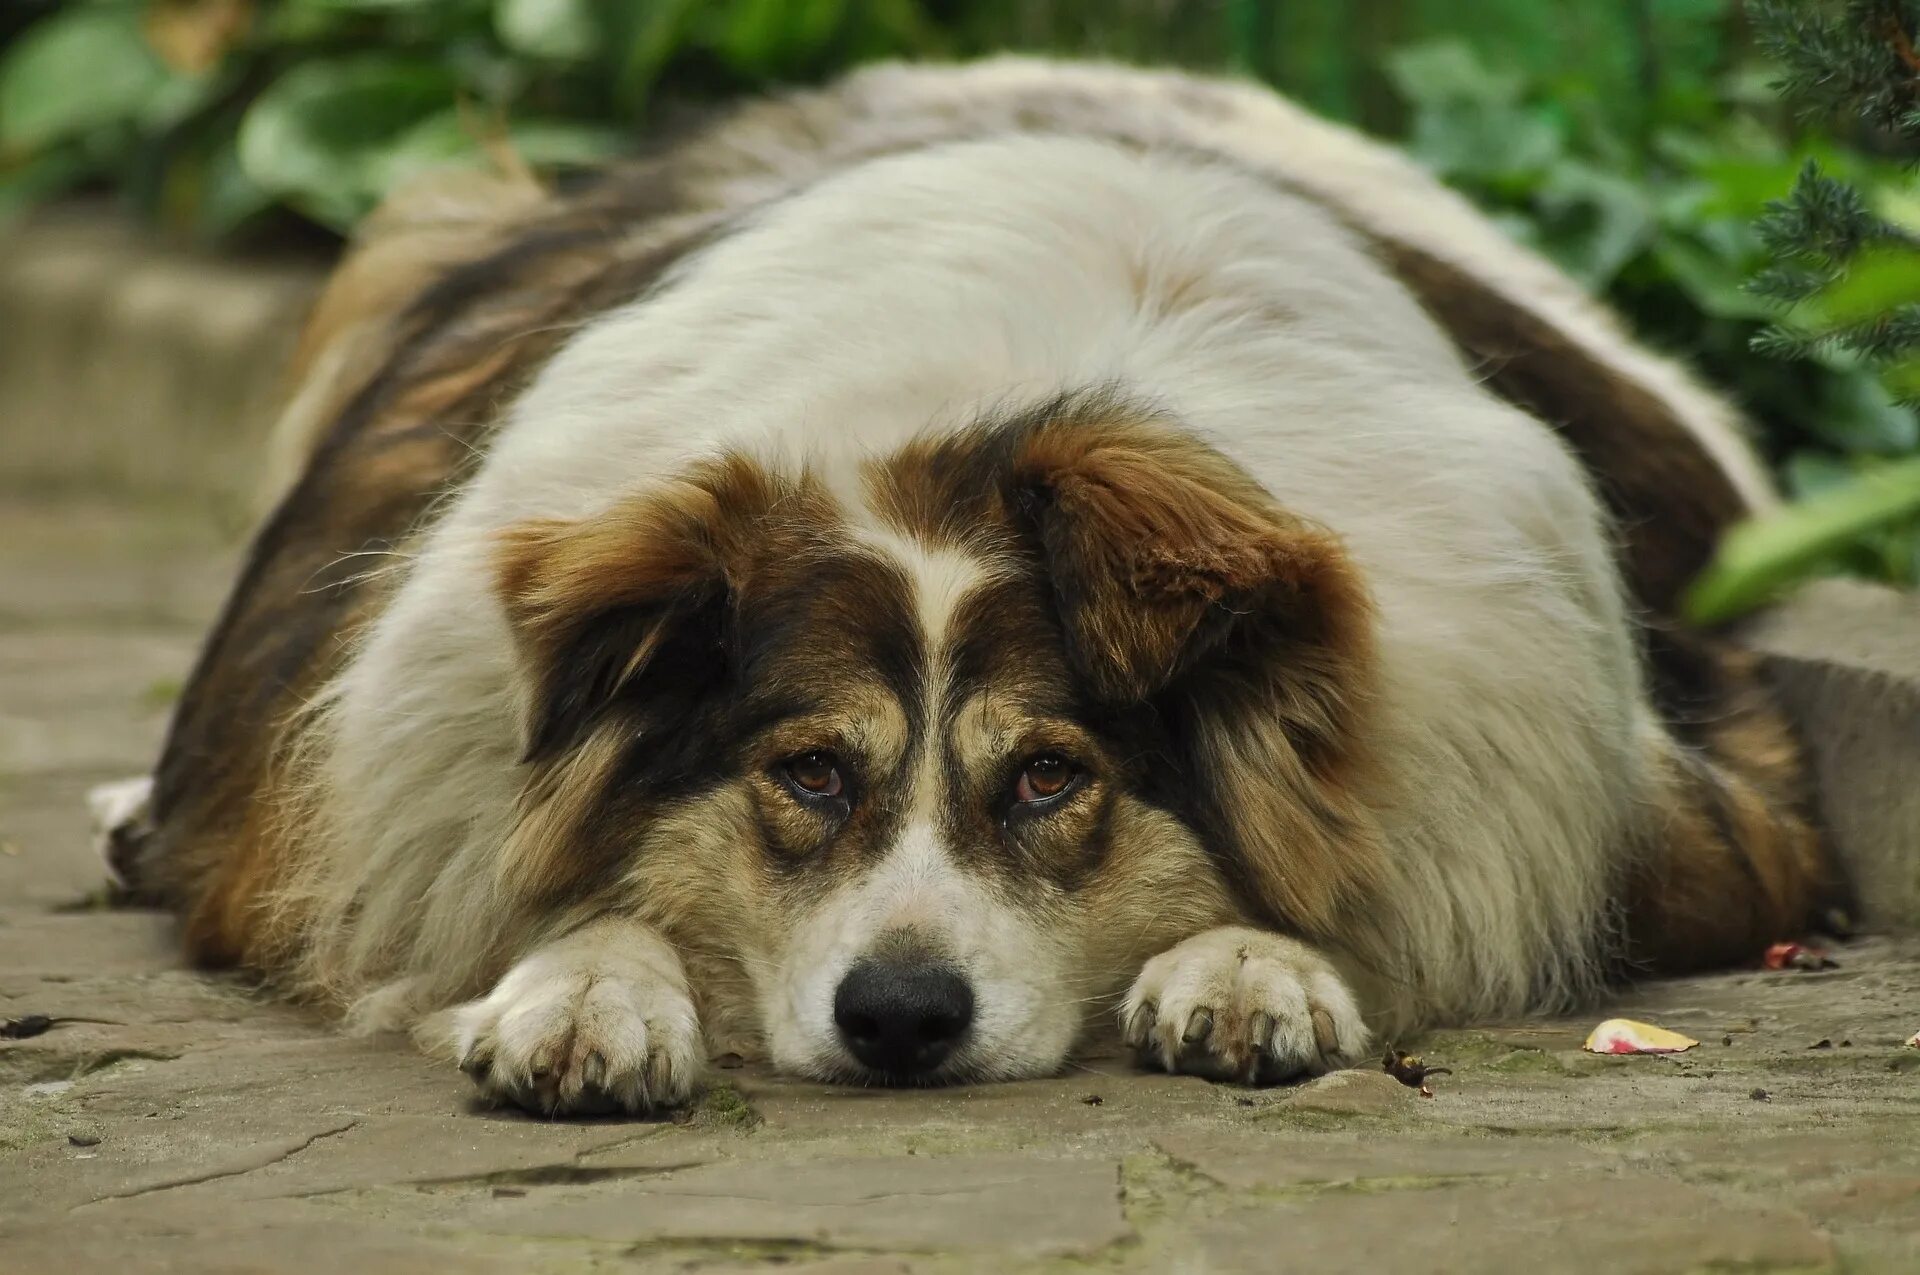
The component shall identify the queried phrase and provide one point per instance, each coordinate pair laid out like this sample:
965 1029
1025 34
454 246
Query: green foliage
1843 275
1850 56
75 73
207 114
1670 226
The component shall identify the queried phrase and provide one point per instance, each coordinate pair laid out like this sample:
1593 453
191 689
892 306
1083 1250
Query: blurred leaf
653 33
417 8
1858 414
1470 142
1880 278
1445 72
1710 281
1899 204
227 198
561 30
771 38
456 138
368 25
904 28
1759 559
320 135
1811 473
1902 380
753 36
75 71
50 173
192 36
1599 220
1468 122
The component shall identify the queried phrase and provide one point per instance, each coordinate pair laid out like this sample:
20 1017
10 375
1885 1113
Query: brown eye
1044 777
815 774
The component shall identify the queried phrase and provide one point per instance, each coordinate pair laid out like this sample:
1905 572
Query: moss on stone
721 1106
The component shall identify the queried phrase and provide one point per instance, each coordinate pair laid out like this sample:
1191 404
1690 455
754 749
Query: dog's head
933 760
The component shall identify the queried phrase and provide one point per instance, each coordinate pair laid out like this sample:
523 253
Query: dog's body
924 558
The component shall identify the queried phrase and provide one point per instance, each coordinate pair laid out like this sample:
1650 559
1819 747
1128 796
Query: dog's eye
815 773
1046 776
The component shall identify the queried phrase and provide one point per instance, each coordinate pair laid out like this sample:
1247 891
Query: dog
919 568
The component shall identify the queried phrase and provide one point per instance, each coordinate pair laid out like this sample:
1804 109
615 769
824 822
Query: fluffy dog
922 565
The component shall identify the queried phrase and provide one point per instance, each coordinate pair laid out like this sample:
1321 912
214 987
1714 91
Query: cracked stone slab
1254 1161
1845 660
1027 1206
1623 1226
266 1237
232 1165
1099 1094
468 1151
131 1162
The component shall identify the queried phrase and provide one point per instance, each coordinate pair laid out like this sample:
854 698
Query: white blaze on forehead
941 579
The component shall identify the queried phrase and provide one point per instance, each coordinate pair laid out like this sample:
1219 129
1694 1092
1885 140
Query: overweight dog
922 568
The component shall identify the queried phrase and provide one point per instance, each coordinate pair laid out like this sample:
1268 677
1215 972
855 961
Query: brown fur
1169 565
431 331
1168 559
405 430
1739 863
594 603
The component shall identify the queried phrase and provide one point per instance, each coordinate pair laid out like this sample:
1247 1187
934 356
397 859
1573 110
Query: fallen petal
1625 1036
1797 956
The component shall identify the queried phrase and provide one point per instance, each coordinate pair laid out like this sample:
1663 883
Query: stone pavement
173 1121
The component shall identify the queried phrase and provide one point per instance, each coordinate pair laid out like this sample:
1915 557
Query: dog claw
1199 1027
1325 1037
593 1072
1140 1025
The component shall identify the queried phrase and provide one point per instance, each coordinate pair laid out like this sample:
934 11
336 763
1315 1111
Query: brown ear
1163 554
621 624
628 605
1180 580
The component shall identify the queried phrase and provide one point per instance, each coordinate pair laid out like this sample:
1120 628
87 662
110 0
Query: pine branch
1854 57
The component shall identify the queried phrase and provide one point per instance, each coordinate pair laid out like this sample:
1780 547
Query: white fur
941 579
116 806
1236 1003
923 291
602 1016
1022 1021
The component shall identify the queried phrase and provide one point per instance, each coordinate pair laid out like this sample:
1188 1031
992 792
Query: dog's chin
970 1067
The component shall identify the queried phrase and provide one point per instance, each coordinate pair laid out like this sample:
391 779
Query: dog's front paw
572 1031
1240 1004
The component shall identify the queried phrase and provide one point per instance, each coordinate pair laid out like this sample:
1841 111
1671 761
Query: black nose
902 1019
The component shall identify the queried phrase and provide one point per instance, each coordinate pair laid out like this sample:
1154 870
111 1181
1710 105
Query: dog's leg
1243 1004
1734 861
596 1022
122 820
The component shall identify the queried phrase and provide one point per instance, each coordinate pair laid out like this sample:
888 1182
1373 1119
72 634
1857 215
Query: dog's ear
1163 555
628 605
1180 581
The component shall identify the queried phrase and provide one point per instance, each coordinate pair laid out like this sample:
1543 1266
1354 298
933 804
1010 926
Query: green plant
1844 280
209 113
